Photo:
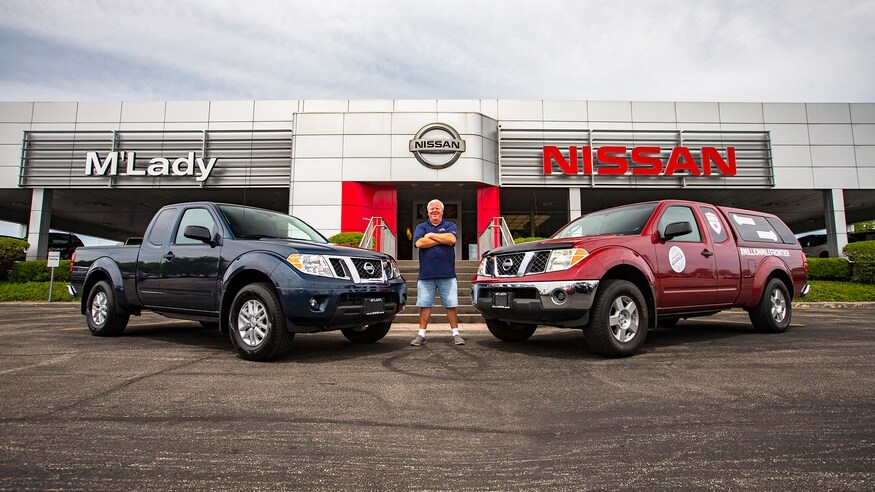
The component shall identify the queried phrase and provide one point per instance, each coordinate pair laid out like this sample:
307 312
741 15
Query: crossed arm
433 239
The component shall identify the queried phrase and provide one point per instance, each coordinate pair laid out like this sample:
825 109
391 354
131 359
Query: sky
638 50
702 50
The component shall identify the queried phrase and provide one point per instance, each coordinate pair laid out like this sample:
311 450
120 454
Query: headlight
483 269
391 269
563 259
311 264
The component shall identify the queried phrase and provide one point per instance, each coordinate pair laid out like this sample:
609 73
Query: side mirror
675 229
199 233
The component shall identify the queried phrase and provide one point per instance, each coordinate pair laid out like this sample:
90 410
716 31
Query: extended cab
260 275
616 273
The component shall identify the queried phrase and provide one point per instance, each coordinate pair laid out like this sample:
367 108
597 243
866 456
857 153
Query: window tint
715 224
197 217
755 228
679 213
160 227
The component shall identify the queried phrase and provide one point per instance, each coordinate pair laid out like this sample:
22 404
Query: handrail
495 235
379 237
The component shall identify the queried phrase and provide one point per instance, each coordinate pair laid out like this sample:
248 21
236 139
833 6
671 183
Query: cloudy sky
701 50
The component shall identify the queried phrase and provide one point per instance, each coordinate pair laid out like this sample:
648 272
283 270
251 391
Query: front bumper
321 309
556 302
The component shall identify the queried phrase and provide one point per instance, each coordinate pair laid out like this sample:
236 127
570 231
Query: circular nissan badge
437 146
369 268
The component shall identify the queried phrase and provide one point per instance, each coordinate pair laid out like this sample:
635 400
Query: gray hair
435 201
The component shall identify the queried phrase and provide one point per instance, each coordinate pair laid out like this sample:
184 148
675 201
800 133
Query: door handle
707 254
169 256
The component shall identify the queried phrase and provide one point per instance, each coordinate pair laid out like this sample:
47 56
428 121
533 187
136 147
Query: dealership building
103 168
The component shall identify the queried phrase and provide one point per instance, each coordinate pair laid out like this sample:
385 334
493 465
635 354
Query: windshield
255 223
621 221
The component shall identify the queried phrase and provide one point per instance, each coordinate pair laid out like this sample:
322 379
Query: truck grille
517 264
539 262
508 265
360 269
368 269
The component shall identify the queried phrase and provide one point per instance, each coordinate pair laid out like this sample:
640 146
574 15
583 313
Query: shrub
829 269
347 238
11 250
862 254
37 271
521 240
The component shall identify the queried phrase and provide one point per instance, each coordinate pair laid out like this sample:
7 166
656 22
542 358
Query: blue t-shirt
438 261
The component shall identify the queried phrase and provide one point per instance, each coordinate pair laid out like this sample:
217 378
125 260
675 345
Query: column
574 209
39 224
836 225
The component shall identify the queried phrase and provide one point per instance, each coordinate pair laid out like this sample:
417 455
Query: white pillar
39 224
574 209
836 224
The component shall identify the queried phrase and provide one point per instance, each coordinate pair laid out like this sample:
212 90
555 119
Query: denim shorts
426 289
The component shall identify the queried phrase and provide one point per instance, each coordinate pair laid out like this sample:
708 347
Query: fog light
314 303
559 296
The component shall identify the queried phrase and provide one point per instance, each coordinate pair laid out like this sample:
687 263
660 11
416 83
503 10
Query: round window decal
437 146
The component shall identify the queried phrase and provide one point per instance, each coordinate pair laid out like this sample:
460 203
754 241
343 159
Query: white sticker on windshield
767 235
676 259
742 220
714 222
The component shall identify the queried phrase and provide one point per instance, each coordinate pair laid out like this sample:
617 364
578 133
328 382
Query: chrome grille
337 266
538 263
508 265
368 269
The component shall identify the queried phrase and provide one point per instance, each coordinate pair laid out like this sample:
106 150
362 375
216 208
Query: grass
821 291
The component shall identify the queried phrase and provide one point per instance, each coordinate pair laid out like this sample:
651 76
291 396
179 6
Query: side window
194 216
715 224
679 213
159 229
756 228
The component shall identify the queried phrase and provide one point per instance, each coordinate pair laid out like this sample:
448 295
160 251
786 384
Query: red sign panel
619 160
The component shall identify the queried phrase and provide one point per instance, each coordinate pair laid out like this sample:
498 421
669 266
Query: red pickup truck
618 272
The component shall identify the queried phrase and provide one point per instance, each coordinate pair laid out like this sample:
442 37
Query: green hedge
521 240
347 238
37 271
11 250
829 269
862 254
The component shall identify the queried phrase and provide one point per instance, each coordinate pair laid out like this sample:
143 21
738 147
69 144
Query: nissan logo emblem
507 264
437 146
369 268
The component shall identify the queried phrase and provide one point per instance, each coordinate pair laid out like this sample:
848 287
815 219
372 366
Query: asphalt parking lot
707 405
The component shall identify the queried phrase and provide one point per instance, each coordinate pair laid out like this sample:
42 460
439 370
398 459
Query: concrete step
465 271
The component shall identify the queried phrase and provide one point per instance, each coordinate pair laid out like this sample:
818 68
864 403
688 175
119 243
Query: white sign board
54 259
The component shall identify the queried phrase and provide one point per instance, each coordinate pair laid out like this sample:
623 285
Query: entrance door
452 213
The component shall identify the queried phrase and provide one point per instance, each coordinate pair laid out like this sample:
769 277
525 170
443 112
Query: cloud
551 49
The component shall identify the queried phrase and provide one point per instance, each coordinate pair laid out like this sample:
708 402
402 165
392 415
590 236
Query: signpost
53 262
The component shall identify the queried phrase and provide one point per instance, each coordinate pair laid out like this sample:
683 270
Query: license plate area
374 305
501 300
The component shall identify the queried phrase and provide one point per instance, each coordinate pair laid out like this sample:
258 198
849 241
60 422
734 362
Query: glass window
755 228
680 213
160 226
196 217
715 224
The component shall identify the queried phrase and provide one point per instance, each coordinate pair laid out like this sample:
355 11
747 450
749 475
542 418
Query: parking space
709 404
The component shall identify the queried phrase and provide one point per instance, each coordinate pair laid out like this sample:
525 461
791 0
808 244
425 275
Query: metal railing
495 235
379 237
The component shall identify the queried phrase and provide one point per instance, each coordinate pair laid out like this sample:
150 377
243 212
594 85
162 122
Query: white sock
455 332
422 332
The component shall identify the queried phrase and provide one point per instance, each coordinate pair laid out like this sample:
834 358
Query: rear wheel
510 332
257 324
772 314
102 312
619 319
367 333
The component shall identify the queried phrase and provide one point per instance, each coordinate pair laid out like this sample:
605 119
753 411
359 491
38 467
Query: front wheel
257 324
367 333
619 319
772 314
102 312
510 332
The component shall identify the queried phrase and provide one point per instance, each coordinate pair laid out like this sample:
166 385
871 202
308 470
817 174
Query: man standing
436 240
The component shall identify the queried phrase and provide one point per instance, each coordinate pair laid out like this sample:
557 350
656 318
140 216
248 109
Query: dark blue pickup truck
260 275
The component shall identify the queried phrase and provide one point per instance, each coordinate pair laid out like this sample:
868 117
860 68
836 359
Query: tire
510 332
772 314
257 324
102 313
366 334
618 321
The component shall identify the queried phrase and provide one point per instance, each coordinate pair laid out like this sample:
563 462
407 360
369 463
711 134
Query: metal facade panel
243 158
521 157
